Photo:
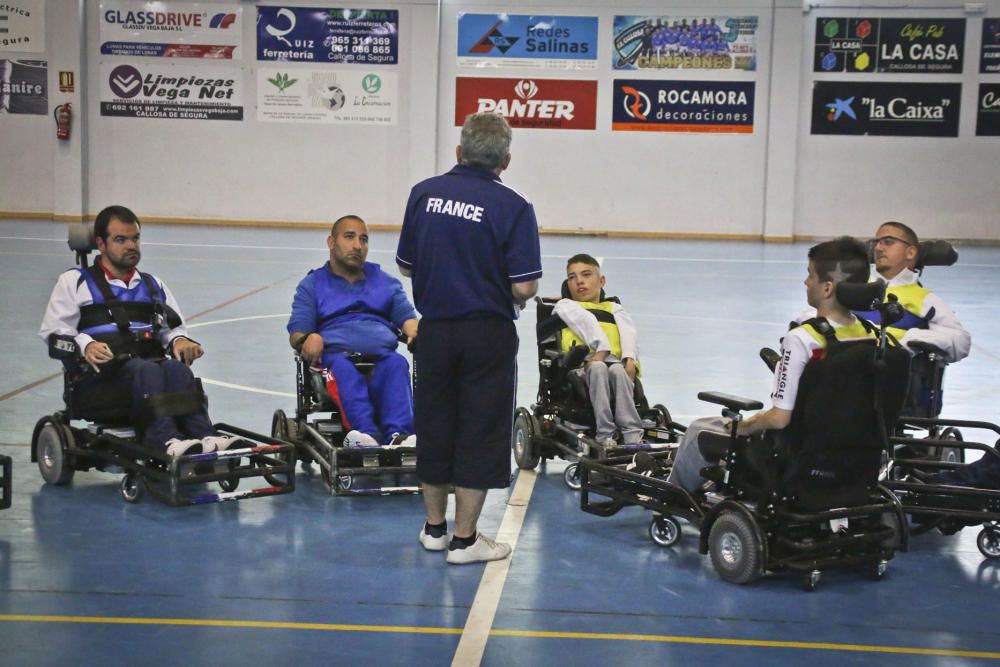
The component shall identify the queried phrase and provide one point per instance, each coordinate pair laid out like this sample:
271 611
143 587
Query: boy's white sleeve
583 324
627 333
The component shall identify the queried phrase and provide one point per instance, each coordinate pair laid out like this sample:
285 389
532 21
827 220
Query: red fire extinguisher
64 120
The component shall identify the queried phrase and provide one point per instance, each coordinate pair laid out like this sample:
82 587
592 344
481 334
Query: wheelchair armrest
769 357
714 446
737 403
575 356
63 348
925 348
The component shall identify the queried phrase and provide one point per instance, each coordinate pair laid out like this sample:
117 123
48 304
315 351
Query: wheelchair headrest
861 296
935 252
81 237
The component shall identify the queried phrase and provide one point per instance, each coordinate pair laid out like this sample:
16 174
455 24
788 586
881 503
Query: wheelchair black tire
735 548
51 439
951 454
524 429
988 542
663 418
665 531
131 487
571 476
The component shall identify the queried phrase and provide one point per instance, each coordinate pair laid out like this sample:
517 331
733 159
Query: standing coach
470 244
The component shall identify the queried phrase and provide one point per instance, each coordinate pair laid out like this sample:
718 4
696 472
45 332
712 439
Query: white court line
243 387
484 608
630 258
236 319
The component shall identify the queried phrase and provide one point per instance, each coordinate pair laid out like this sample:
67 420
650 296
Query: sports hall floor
307 578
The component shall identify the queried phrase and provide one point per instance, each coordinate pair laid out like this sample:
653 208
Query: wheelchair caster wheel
810 581
988 542
131 488
664 530
572 476
230 483
876 571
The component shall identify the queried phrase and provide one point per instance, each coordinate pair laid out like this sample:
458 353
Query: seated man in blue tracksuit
349 305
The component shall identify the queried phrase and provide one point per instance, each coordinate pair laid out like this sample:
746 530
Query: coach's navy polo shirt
466 237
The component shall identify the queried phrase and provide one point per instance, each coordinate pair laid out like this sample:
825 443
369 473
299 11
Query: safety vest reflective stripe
569 339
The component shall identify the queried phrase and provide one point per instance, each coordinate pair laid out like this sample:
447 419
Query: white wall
778 182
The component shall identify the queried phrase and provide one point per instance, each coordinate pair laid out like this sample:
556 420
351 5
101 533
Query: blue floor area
353 568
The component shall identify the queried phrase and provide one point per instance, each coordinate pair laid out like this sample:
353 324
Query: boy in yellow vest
611 366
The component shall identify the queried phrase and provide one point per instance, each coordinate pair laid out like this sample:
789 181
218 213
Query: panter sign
544 104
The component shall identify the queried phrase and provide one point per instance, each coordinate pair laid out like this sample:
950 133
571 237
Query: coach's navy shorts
464 401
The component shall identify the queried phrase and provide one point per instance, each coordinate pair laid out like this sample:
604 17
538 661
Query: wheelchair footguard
540 435
348 470
746 539
933 505
5 482
61 449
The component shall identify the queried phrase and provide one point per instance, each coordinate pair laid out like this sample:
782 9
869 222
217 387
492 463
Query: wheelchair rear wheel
51 440
524 429
663 417
735 548
951 454
283 428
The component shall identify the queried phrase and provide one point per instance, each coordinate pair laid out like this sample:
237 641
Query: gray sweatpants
609 384
686 471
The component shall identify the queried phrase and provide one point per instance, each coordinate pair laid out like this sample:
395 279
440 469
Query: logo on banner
637 104
281 82
532 103
125 81
334 97
839 108
222 21
279 33
493 39
371 84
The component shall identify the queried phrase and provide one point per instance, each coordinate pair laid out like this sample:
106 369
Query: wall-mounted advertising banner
541 104
171 29
989 58
351 96
988 117
143 90
307 34
685 42
683 106
22 26
930 46
517 40
893 109
24 86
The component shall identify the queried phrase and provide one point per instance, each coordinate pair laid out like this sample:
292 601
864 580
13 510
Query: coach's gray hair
485 140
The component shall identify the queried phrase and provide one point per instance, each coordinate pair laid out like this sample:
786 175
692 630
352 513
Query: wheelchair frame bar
632 488
6 482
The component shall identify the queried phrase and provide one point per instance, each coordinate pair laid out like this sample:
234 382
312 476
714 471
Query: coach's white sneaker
482 550
432 543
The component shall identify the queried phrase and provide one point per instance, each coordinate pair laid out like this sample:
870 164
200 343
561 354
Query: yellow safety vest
569 339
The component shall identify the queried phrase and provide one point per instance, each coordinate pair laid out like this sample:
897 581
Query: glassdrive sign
928 46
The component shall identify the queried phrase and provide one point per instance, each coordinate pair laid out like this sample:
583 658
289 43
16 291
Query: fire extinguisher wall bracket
64 120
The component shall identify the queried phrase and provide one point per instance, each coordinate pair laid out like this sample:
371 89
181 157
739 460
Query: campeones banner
304 34
683 106
171 30
162 91
893 109
556 104
671 42
932 46
514 40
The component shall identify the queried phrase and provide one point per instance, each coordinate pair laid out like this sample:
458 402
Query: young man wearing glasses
929 319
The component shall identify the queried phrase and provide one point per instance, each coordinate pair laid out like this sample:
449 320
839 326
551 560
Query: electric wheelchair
317 429
561 422
99 428
804 499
